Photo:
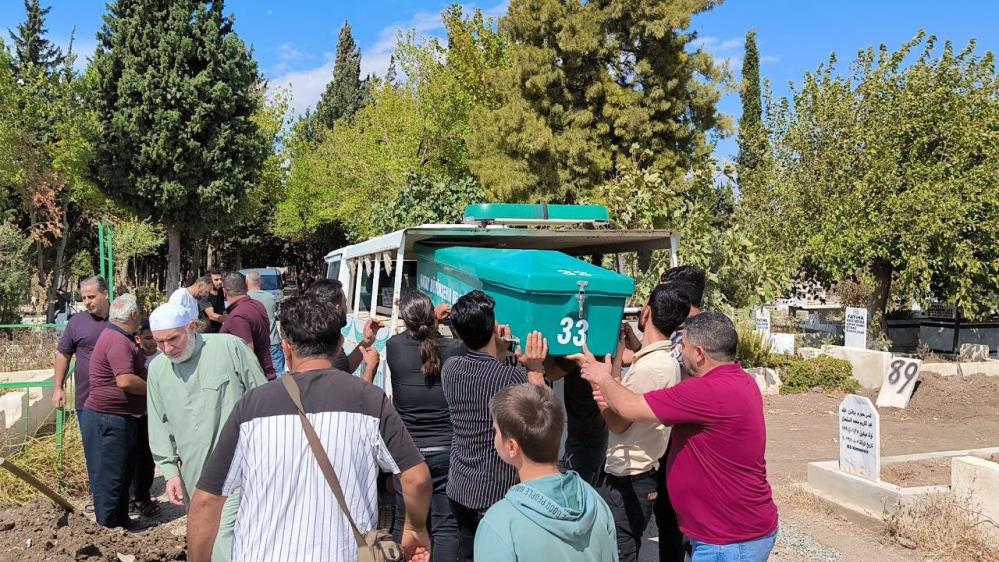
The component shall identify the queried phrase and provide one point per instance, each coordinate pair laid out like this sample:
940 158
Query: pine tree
31 48
391 74
752 138
175 92
587 84
344 94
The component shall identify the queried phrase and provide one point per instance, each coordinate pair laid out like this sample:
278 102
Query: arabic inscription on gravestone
860 438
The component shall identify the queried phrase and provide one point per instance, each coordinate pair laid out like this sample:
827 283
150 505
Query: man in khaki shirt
628 482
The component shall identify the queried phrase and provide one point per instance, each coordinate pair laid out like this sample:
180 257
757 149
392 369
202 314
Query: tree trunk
57 267
173 258
197 257
877 308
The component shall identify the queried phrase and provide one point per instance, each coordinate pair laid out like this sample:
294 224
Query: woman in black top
415 358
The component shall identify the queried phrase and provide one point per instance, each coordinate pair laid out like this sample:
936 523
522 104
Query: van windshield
270 283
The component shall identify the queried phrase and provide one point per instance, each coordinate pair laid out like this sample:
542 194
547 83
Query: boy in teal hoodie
549 515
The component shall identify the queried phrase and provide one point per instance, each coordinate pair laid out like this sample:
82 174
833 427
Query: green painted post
110 277
60 421
100 247
27 416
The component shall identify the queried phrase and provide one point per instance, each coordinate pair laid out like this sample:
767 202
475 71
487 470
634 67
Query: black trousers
443 528
631 499
142 480
110 461
671 547
468 522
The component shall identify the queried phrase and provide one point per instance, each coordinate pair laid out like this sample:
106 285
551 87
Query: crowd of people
259 428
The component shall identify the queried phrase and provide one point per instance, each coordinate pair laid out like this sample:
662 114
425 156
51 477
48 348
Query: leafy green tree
890 171
176 91
586 82
133 239
15 271
411 136
344 94
752 136
31 48
431 200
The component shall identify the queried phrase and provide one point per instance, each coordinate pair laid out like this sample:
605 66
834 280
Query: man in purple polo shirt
248 319
79 338
117 401
716 471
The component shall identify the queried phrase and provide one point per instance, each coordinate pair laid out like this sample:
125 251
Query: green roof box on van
570 301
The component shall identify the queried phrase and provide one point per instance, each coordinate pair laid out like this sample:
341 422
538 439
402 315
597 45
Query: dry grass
27 350
796 496
945 527
39 459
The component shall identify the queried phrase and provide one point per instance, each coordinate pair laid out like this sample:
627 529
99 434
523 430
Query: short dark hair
214 271
691 279
312 327
715 333
234 283
532 415
473 318
326 290
100 282
670 307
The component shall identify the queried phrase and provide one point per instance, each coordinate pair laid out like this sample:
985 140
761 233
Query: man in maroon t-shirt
117 401
716 471
248 319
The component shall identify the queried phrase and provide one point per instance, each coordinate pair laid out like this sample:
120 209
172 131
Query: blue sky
294 40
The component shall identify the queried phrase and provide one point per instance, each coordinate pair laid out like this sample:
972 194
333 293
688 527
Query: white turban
169 316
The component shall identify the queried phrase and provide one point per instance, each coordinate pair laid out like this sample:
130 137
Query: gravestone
763 322
971 352
782 343
856 328
860 438
900 379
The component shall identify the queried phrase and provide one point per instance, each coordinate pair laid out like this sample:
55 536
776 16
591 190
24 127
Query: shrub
753 349
828 373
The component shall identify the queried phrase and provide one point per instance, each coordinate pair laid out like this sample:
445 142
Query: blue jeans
277 358
83 419
443 525
750 551
111 441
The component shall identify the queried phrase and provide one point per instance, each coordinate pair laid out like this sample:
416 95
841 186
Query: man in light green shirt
267 299
192 387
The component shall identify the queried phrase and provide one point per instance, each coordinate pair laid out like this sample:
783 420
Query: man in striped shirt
478 478
288 511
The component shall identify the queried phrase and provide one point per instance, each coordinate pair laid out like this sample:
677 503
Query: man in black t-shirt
586 441
212 307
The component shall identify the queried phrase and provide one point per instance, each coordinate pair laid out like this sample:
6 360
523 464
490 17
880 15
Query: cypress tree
175 90
344 94
31 48
752 138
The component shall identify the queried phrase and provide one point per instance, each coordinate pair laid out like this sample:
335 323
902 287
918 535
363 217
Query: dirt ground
945 413
42 531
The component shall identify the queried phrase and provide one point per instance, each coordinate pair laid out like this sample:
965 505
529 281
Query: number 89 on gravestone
899 382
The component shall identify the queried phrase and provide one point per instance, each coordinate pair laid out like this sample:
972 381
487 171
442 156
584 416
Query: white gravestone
860 438
856 328
900 379
782 343
763 322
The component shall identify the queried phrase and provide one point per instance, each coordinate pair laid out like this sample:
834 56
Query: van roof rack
517 214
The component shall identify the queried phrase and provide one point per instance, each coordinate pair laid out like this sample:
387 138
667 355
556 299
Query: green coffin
570 301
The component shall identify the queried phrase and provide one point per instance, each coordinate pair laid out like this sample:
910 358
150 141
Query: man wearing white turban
192 387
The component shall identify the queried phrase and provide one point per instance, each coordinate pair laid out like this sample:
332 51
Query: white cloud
307 85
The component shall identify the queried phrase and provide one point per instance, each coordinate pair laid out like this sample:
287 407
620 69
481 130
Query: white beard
192 340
